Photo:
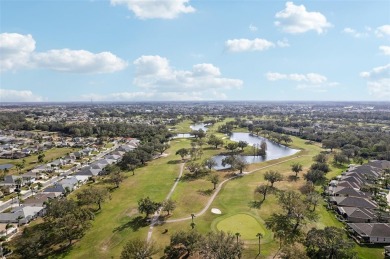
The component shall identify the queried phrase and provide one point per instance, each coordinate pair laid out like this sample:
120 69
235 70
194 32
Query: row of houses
34 206
350 197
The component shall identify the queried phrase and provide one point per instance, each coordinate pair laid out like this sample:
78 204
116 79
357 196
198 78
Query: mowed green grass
119 220
116 223
182 127
244 224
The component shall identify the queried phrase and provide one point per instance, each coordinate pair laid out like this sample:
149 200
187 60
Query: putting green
244 224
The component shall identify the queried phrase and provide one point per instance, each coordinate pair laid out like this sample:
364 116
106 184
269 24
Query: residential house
374 233
69 182
56 189
29 177
89 171
12 182
21 215
357 215
70 159
57 163
382 164
357 202
43 169
113 157
38 200
346 192
126 148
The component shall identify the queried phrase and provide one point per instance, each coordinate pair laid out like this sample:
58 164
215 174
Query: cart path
221 185
210 201
158 212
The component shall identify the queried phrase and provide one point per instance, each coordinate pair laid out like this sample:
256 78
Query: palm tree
32 189
237 236
19 198
5 172
259 235
19 167
18 183
279 234
41 157
8 226
18 219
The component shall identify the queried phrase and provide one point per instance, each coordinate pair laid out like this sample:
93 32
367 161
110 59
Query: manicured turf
241 223
119 220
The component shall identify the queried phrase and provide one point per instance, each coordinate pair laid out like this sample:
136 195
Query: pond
199 126
6 166
274 150
183 135
193 127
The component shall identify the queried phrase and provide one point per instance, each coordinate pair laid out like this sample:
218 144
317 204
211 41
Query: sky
176 50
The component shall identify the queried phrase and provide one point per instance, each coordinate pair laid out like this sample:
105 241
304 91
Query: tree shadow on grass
207 192
135 224
255 204
61 252
191 176
210 148
174 162
292 178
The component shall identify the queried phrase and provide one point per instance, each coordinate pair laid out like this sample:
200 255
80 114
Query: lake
274 150
193 127
199 126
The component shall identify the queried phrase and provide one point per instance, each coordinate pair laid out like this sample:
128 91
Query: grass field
182 127
119 220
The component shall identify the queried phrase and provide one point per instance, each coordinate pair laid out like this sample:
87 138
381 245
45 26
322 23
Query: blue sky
129 50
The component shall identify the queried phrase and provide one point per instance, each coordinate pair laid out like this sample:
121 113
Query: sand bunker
216 211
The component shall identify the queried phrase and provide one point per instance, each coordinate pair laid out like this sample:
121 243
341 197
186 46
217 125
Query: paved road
157 214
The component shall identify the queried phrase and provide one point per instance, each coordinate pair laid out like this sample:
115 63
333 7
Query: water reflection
274 150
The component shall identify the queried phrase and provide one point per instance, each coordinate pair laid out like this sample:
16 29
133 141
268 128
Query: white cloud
121 96
383 30
311 78
154 72
18 51
78 61
295 19
241 45
283 43
385 50
15 50
155 95
252 28
378 81
377 73
311 81
355 33
7 95
152 9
